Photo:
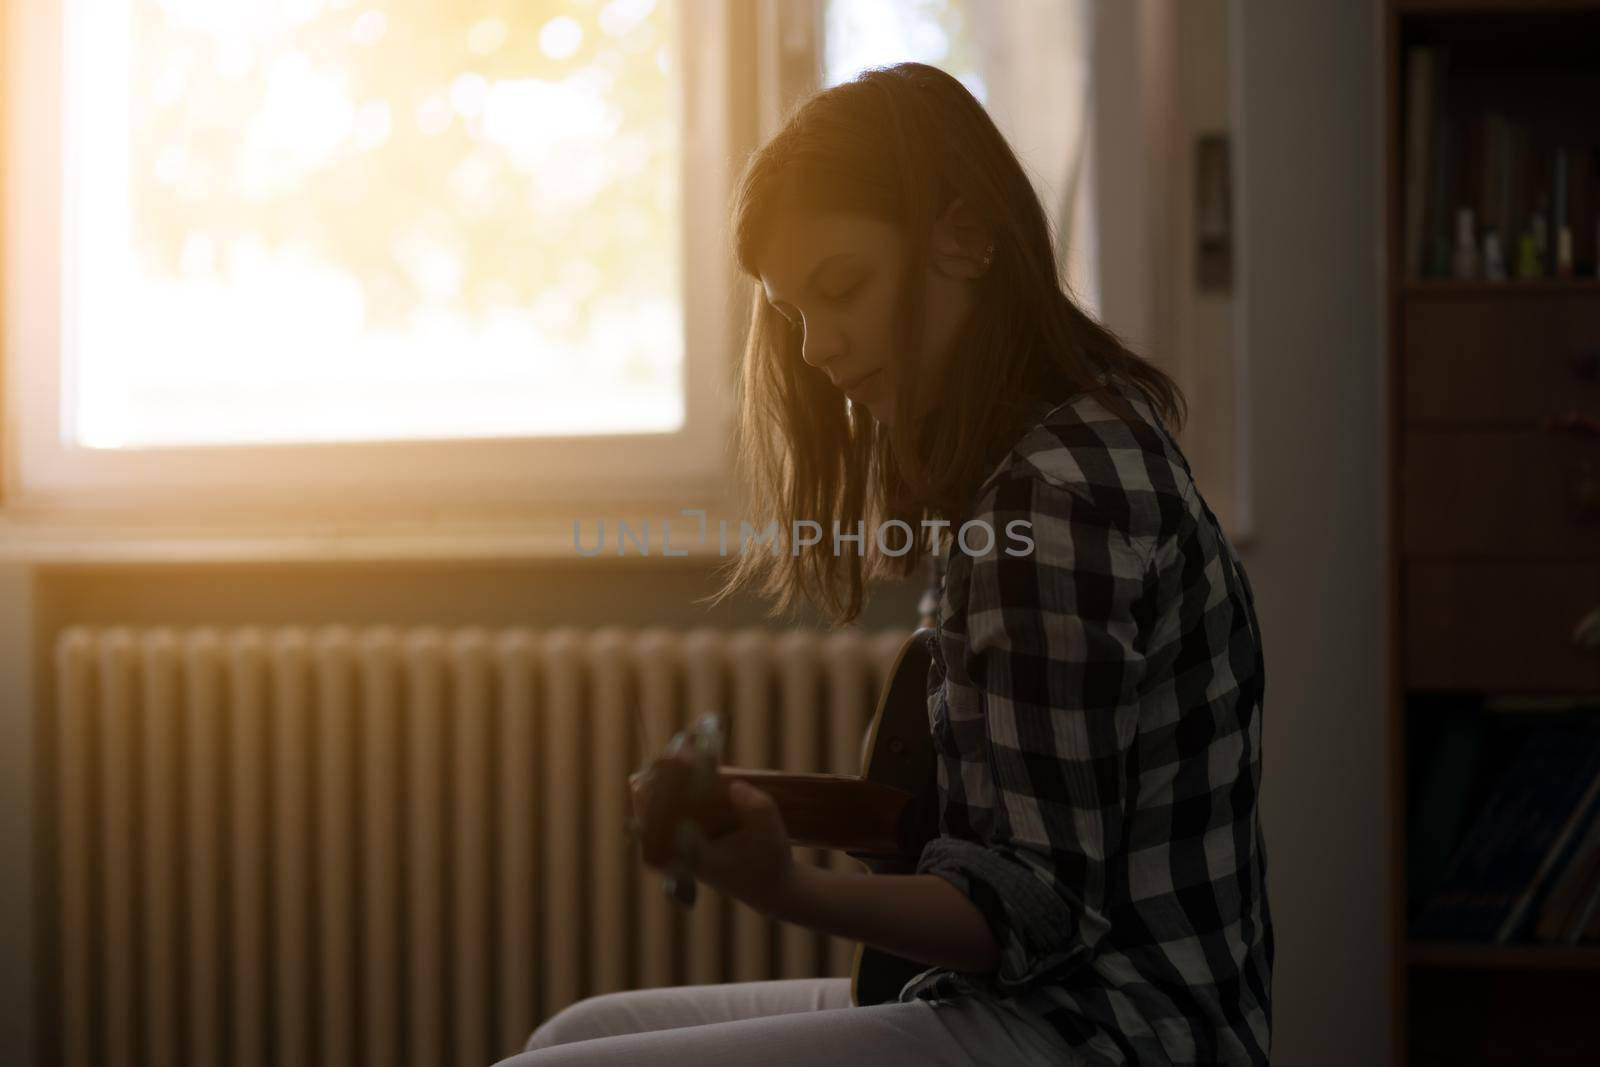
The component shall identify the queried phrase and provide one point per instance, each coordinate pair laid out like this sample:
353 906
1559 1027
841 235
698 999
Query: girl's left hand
751 862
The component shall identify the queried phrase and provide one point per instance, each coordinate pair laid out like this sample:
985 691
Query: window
942 33
366 250
1028 64
374 221
349 257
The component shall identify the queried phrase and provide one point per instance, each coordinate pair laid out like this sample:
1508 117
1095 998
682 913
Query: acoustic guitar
882 817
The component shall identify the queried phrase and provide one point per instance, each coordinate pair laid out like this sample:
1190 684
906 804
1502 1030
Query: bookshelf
1493 552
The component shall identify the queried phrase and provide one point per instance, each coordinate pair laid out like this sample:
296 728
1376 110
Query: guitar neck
882 816
833 811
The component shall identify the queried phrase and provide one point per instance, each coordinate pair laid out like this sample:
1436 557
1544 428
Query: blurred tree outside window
872 33
333 220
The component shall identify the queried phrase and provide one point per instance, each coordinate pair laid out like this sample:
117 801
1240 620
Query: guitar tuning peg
679 883
708 735
679 886
686 841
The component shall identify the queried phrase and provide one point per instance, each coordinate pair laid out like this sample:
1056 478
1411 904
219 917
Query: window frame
355 480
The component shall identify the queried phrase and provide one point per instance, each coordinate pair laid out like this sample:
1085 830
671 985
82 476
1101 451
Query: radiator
342 845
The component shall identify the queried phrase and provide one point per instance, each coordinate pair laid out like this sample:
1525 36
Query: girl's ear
959 240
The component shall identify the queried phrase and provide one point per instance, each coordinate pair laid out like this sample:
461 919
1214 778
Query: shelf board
1497 7
1503 957
1538 287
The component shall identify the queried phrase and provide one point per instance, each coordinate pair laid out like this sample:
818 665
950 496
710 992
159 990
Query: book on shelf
1531 830
1573 888
1583 924
1447 756
1587 925
1519 178
1420 122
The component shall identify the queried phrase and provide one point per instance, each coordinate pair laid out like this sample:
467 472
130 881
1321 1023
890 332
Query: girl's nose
821 345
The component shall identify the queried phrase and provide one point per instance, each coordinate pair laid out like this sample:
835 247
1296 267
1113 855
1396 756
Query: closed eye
837 298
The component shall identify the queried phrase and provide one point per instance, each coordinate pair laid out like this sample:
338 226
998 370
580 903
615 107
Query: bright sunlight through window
872 33
366 220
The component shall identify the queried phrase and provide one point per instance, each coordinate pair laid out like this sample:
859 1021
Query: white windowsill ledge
88 539
95 540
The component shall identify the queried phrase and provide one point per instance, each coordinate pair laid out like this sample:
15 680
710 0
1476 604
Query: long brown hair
899 143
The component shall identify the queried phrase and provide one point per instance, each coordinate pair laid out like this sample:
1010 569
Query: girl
1097 892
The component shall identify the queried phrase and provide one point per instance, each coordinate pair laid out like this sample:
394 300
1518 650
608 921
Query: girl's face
836 278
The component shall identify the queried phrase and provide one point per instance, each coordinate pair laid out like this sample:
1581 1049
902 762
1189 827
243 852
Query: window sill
66 539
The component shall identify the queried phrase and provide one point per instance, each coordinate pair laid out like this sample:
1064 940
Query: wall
1300 486
1119 174
1306 113
1161 78
16 813
1197 332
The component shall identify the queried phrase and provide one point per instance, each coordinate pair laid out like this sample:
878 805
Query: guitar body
899 753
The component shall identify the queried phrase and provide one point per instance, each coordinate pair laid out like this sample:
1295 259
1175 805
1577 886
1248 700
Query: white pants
783 1023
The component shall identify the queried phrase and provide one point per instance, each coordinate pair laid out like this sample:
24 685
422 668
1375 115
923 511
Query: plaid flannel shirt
1096 709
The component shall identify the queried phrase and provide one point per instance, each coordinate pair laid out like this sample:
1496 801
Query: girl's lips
864 386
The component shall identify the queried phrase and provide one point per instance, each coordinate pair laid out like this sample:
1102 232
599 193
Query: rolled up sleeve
1053 658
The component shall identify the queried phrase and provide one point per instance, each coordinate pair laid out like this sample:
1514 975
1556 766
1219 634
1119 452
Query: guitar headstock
678 801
